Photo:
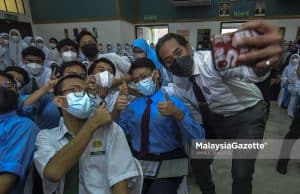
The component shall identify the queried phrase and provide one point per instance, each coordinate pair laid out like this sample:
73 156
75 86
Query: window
16 6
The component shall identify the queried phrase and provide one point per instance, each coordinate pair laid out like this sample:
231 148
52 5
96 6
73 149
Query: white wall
291 26
113 31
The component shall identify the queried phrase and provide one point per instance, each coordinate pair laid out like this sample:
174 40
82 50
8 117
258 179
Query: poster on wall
66 31
203 39
95 32
84 29
260 8
298 34
75 32
184 33
224 8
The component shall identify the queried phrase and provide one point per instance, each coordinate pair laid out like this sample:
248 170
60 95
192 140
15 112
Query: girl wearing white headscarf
40 43
15 47
4 57
29 40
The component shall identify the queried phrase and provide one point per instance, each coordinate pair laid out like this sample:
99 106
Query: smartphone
224 50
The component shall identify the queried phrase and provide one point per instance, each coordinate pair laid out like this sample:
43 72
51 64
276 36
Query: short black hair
103 60
21 71
54 39
66 42
71 64
58 86
8 76
142 62
179 38
34 51
84 33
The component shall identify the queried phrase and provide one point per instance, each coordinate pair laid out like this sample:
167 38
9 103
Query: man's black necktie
145 129
198 93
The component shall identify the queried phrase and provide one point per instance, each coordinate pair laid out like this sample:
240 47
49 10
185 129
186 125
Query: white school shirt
111 99
226 92
106 160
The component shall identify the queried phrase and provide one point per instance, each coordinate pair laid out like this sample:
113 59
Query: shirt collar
7 115
156 97
197 60
62 129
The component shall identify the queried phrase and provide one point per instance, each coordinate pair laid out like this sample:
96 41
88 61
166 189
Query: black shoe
282 166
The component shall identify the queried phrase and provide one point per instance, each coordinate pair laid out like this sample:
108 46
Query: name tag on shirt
98 148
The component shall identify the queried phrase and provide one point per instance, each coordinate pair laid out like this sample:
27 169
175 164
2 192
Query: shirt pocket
95 169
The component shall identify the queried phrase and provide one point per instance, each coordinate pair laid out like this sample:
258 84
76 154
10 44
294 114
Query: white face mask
69 56
39 45
5 42
104 79
295 61
19 85
15 38
32 44
34 68
52 45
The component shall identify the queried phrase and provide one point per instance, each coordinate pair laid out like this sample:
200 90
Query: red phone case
225 53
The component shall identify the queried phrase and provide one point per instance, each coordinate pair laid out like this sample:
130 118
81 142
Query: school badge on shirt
97 148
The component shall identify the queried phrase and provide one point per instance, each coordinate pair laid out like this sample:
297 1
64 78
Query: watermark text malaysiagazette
230 146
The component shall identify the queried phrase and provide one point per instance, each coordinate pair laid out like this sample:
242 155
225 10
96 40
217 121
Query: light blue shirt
17 144
43 112
166 133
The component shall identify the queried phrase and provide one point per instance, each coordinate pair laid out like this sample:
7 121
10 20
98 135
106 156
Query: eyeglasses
80 92
8 84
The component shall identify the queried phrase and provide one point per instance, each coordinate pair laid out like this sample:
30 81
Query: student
68 51
141 49
87 47
234 108
102 73
287 77
33 62
17 136
158 126
97 154
52 42
15 47
40 43
21 77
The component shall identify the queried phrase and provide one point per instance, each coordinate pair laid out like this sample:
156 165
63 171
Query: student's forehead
103 65
68 83
168 47
87 38
33 57
141 70
74 69
2 79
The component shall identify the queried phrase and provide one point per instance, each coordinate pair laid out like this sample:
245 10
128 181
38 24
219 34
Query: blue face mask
146 87
81 107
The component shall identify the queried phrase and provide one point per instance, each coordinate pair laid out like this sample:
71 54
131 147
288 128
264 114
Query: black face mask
90 50
182 66
8 100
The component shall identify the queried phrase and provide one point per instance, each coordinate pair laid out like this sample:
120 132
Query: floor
266 180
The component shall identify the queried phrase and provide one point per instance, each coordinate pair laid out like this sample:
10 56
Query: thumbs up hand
124 89
168 108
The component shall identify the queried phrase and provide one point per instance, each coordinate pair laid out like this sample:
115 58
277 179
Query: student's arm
118 81
7 181
120 188
39 93
68 156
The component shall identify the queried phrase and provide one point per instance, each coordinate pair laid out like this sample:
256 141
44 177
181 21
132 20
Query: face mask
8 100
5 42
80 107
90 50
32 44
69 56
182 66
127 48
104 79
34 68
39 45
52 45
15 38
295 62
146 87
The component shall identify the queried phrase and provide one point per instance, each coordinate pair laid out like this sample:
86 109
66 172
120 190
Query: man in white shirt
85 154
231 105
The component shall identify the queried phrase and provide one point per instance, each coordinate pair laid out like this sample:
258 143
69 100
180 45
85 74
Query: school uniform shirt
17 139
106 160
227 92
110 100
166 133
